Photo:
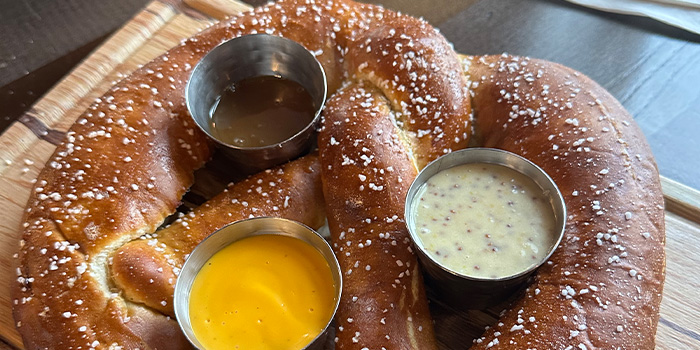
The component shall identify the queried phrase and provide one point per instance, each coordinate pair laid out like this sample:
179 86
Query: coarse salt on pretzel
405 99
602 287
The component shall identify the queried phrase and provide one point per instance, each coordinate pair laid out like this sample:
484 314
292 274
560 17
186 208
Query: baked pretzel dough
145 270
602 287
91 273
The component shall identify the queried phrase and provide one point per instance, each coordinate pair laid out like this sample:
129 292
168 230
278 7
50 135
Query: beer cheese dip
267 292
484 220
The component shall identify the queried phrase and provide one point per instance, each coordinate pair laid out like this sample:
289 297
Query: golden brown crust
602 287
405 106
145 270
403 101
122 169
384 303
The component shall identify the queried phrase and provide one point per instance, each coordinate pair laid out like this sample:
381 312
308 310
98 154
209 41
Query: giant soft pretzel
92 275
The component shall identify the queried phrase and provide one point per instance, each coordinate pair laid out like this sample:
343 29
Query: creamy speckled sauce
484 220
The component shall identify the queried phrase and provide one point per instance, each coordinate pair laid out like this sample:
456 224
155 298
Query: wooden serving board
28 143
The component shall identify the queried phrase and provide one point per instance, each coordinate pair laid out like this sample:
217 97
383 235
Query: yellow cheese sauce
484 220
262 292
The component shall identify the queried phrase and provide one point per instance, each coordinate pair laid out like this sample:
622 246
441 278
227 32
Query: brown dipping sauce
261 111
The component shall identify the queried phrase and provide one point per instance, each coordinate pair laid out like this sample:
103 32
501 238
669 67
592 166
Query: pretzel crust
602 287
83 269
401 110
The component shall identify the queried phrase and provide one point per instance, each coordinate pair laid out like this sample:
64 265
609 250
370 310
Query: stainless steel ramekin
235 232
251 56
469 292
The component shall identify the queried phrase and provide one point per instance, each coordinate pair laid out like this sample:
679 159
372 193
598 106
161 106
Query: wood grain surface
26 145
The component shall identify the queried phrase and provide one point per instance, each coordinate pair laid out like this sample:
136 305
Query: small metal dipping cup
252 56
235 232
468 292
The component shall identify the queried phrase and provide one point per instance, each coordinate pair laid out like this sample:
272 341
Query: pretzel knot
94 270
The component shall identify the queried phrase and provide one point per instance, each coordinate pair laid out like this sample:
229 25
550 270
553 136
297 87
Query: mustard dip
484 220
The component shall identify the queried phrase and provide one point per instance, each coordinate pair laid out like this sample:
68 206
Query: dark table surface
652 68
